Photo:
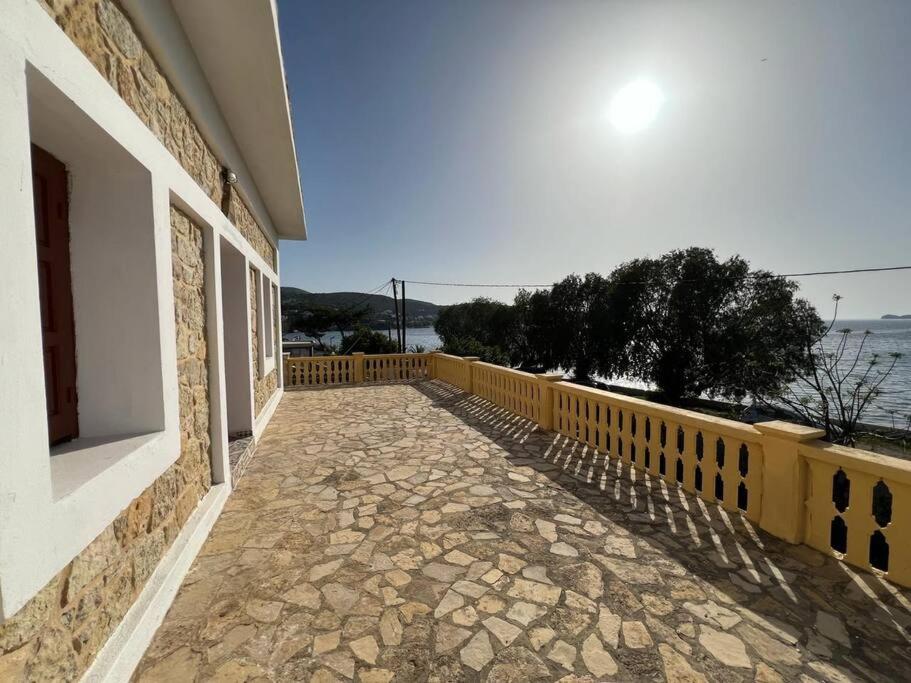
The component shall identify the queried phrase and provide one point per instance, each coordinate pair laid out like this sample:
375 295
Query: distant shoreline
892 316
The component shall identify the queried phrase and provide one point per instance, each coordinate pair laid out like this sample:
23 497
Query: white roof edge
238 46
234 85
281 62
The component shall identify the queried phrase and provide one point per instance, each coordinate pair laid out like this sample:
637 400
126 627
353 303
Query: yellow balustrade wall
332 370
858 506
852 504
453 370
518 392
718 460
396 366
319 371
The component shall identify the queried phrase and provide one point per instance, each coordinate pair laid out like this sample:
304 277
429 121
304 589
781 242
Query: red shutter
53 239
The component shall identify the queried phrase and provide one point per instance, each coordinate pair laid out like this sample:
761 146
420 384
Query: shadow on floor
792 586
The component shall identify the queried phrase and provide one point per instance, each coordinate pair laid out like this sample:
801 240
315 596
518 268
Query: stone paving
411 532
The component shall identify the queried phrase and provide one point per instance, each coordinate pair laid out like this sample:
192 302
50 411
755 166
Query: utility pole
404 319
395 305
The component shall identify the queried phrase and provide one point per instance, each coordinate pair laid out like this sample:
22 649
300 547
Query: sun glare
635 106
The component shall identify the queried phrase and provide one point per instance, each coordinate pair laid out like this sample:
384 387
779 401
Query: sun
635 106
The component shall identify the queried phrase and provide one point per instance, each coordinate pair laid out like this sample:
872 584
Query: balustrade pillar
784 478
358 362
432 364
546 401
470 360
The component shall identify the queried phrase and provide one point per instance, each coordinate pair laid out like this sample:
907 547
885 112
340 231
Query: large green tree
572 344
691 324
481 327
536 338
686 322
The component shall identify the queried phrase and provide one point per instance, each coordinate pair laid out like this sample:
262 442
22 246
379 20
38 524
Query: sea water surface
893 407
415 336
888 336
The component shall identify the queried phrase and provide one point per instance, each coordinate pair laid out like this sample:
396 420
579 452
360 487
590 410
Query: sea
892 409
415 336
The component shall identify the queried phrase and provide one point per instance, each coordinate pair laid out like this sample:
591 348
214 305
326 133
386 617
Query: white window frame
268 318
263 284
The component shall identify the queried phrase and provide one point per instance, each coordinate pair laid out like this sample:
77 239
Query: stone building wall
58 633
188 271
263 387
104 33
243 220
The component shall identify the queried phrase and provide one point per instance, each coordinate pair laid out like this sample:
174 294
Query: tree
466 346
484 325
691 324
317 321
365 340
572 346
838 384
536 338
622 321
763 347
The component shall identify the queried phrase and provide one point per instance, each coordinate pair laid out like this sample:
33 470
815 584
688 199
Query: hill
892 316
382 314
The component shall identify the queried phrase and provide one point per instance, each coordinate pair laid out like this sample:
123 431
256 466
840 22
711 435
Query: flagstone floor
411 532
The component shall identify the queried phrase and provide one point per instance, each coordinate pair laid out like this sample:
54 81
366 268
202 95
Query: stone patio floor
412 532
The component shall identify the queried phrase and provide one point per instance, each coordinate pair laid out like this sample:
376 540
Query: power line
468 284
352 307
847 272
749 276
386 285
369 294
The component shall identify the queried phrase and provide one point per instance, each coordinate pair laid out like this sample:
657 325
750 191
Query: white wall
268 319
115 301
234 283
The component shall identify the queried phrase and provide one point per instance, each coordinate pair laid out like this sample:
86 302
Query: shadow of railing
351 385
744 565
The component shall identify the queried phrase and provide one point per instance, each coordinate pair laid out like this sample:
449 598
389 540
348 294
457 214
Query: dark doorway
52 233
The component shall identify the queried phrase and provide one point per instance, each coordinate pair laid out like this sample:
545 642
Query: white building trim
268 410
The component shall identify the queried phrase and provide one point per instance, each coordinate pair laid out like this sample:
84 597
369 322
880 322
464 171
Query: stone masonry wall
58 633
104 33
263 387
188 270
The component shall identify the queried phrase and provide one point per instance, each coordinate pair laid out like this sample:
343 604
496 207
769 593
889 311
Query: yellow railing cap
789 430
499 369
879 465
690 418
550 376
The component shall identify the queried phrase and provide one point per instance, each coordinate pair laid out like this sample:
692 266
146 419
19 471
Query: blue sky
468 141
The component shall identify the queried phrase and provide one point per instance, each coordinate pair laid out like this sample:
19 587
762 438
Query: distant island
892 316
381 314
